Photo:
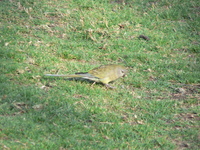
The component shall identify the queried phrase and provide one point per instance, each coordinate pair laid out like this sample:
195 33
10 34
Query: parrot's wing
88 76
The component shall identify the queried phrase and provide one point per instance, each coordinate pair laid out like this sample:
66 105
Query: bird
103 74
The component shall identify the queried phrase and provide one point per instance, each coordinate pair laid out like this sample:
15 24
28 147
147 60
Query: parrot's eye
122 71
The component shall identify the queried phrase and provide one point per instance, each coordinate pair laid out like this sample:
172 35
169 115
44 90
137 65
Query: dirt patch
186 91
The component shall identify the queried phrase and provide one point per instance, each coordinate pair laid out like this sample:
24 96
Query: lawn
156 106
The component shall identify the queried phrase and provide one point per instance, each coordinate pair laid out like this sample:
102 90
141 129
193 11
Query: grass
155 107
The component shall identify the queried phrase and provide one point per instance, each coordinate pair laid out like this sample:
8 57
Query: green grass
155 107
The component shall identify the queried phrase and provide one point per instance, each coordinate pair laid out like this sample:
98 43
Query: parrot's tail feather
79 75
53 75
68 76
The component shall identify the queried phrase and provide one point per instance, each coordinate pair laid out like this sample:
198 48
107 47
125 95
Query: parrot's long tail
77 75
68 76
